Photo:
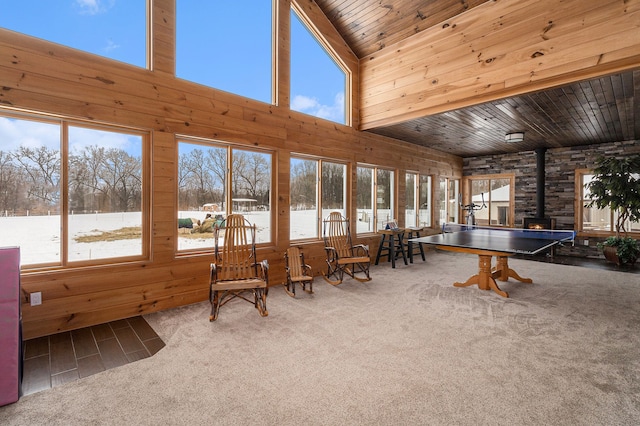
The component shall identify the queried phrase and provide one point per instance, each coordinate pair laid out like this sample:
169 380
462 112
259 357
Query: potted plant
616 185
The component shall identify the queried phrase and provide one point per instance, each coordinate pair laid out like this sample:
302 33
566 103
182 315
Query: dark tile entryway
64 357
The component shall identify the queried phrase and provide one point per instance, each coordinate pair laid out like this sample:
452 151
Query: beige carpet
405 348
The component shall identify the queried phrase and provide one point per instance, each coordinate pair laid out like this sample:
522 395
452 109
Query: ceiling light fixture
514 137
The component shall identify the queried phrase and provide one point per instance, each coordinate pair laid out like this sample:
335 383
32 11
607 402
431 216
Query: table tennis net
545 234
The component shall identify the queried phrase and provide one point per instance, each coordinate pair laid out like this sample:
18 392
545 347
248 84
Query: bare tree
252 174
42 168
11 184
304 179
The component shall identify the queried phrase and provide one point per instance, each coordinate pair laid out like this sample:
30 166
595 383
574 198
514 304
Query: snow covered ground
39 236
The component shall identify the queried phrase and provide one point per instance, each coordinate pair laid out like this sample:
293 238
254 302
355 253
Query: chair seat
348 260
300 278
239 284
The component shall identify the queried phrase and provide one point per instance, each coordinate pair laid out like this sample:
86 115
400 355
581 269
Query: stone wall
560 166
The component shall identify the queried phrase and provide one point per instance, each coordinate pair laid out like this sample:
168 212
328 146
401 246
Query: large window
306 217
593 219
318 83
375 198
418 189
493 197
448 200
226 45
209 190
71 192
116 30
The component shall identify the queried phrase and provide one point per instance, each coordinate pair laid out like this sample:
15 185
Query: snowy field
39 236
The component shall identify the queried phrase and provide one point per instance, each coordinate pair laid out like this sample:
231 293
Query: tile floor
60 358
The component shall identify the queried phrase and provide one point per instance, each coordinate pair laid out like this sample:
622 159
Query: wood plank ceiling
605 109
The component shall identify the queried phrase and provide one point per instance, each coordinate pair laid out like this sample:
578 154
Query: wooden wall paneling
55 324
163 29
281 201
49 78
514 70
283 54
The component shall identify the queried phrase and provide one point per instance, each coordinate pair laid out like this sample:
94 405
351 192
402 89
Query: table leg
484 278
502 271
392 251
401 245
380 248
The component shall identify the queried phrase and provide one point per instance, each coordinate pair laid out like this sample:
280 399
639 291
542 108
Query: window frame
148 45
378 224
272 85
579 207
467 194
145 204
320 161
417 187
230 147
333 55
444 182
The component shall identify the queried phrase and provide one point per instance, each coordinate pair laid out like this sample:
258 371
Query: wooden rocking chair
235 271
297 272
342 256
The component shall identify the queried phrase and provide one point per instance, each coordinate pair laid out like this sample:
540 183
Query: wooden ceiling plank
518 63
566 53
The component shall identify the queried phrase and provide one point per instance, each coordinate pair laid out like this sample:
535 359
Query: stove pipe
540 182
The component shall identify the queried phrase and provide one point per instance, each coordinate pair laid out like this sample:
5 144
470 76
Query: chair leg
215 305
261 301
333 271
304 286
290 288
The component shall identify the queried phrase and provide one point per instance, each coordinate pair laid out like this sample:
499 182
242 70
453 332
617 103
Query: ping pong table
502 243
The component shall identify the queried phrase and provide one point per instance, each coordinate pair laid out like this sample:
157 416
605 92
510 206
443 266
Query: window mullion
64 193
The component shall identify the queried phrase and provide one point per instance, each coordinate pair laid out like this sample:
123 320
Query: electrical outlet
36 298
585 242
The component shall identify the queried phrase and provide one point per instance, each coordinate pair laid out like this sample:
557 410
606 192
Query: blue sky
218 44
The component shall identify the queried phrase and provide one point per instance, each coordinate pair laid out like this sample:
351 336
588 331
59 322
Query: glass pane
333 188
442 200
424 211
116 30
105 194
364 199
453 190
304 190
251 190
384 198
500 198
585 180
479 196
30 189
202 177
594 219
633 226
410 205
318 84
219 44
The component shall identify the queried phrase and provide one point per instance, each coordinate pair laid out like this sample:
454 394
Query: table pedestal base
486 277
